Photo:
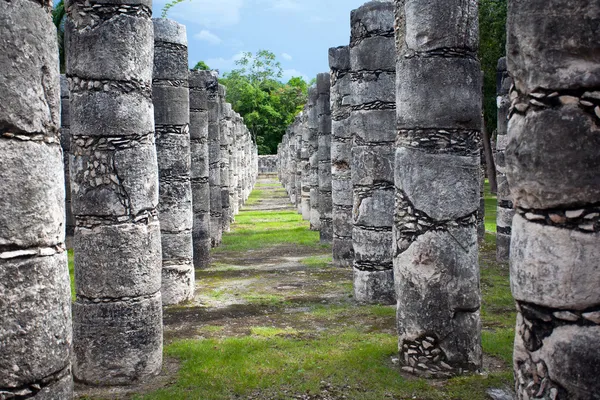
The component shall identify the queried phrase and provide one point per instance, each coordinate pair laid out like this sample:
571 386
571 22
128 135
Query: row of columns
406 188
153 156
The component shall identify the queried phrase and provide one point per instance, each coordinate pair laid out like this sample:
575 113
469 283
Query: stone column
297 157
312 130
171 98
225 140
65 142
199 82
553 168
305 163
341 154
437 187
505 210
117 335
372 62
292 165
234 201
35 300
324 158
215 92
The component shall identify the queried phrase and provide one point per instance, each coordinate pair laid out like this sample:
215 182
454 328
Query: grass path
273 319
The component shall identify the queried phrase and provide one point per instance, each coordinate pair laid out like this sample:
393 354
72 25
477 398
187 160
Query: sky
298 32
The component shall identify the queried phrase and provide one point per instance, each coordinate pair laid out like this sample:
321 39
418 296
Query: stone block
36 328
436 25
372 248
130 38
552 158
115 261
111 114
175 207
171 105
41 205
25 32
128 346
374 287
376 53
373 126
443 186
177 284
372 164
438 93
173 153
437 282
554 267
545 52
374 209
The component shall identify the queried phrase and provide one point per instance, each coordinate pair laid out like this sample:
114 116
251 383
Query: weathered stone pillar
324 158
65 142
505 210
171 98
292 165
225 139
312 129
553 168
373 65
215 92
199 82
297 157
234 201
35 300
117 334
305 171
341 155
437 187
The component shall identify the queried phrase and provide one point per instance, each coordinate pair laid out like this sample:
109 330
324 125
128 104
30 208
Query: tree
201 66
58 17
268 106
492 28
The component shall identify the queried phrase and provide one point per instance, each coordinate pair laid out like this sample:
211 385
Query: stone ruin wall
35 299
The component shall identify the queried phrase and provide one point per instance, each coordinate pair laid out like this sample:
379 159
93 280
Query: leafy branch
168 6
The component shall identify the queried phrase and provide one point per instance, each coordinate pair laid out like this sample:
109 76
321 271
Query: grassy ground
273 319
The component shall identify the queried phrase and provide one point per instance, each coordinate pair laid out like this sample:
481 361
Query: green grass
317 261
254 230
491 208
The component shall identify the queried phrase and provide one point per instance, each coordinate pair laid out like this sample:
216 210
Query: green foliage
201 66
492 27
58 18
168 6
268 106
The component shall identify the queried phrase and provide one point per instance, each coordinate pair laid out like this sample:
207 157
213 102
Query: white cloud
286 56
207 13
290 73
224 64
286 5
208 36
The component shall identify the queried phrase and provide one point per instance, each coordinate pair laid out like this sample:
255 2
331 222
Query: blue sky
299 32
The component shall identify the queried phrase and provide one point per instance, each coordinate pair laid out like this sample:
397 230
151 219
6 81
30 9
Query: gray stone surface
35 303
438 186
65 142
371 122
324 158
312 129
225 132
268 164
553 171
100 357
114 182
199 81
505 211
341 157
171 98
214 162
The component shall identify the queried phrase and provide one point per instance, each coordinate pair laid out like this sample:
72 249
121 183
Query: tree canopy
268 106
